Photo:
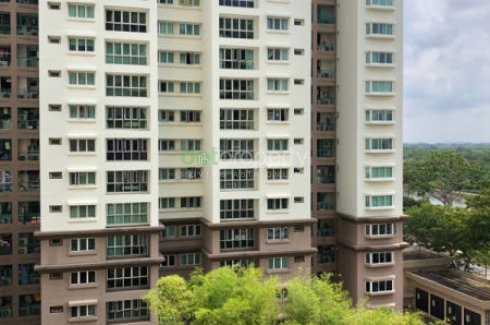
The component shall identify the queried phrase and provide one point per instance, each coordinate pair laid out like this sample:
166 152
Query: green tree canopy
232 295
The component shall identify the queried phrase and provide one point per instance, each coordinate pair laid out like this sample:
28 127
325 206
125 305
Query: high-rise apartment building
20 300
255 131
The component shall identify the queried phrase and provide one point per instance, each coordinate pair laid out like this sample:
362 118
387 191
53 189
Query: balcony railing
28 62
27 30
29 155
29 218
6 218
6 92
28 2
325 100
28 124
325 47
326 74
5 29
6 187
29 186
28 93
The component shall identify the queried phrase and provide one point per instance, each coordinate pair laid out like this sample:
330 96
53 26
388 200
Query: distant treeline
476 153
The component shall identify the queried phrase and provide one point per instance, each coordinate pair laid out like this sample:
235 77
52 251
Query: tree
233 295
442 175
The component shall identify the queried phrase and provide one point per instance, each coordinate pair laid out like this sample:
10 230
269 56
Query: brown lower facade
283 249
98 277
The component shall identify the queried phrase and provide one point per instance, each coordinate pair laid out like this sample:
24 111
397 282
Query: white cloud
447 71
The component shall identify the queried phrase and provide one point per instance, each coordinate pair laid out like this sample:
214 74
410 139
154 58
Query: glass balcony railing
28 62
5 29
28 2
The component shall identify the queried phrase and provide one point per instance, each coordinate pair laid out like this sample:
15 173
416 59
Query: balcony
325 122
325 96
27 275
27 24
326 228
5 213
5 181
5 28
29 181
5 244
28 2
5 56
27 56
326 254
28 150
5 150
325 201
325 174
5 87
28 118
325 148
326 15
5 118
326 42
28 88
28 244
29 212
325 69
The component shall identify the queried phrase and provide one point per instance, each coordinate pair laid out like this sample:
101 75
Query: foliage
442 175
232 295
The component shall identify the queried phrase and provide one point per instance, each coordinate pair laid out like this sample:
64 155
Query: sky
447 71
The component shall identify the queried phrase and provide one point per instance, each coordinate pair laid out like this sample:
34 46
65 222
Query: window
326 254
189 3
237 89
190 116
125 53
55 242
325 174
82 145
379 172
169 232
54 108
127 277
83 311
277 114
82 178
278 263
379 286
82 277
55 175
190 173
81 78
237 209
166 145
277 54
6 303
119 214
380 87
29 305
190 259
277 84
82 112
166 115
165 28
127 245
82 11
190 145
278 233
379 57
278 24
125 21
190 58
54 73
379 115
380 29
167 86
56 309
190 230
277 144
237 238
277 204
236 119
379 144
165 57
190 87
166 173
238 3
126 85
277 174
189 29
236 28
236 149
326 14
5 275
127 149
166 203
385 3
379 258
82 211
127 181
82 244
381 229
51 5
126 117
326 228
325 148
236 58
80 44
54 39
190 202
169 261
237 179
127 310
376 201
